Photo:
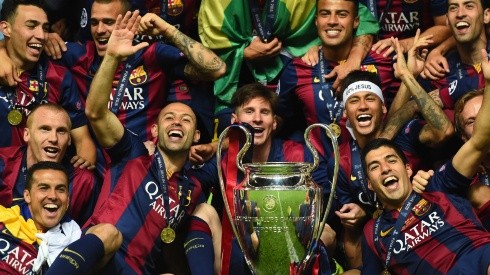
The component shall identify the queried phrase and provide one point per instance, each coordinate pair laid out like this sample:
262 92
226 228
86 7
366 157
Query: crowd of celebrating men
111 110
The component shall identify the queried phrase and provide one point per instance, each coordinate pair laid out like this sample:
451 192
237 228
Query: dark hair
253 90
356 6
9 7
126 5
459 106
484 3
358 75
378 143
44 165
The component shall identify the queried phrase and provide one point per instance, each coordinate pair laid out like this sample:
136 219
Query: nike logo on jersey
384 233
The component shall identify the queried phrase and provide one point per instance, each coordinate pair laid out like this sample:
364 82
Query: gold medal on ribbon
335 128
385 272
14 117
167 235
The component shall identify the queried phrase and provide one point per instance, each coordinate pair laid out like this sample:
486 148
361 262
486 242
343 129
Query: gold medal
385 272
14 117
167 235
335 128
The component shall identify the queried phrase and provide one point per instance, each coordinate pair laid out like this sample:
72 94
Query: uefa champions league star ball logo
270 203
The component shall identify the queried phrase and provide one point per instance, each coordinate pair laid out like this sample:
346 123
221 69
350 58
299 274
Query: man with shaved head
147 198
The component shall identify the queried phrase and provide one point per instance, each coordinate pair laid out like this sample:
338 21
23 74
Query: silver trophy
276 210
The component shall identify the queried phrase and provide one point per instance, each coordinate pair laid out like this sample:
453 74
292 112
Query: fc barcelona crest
421 207
369 68
138 76
175 7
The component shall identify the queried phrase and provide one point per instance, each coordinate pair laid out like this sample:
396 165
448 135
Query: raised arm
204 64
470 155
438 127
107 127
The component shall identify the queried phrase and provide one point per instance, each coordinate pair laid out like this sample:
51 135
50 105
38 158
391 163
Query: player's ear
154 130
5 28
197 136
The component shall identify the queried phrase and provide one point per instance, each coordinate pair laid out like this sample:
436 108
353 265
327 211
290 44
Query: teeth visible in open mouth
333 32
51 150
51 206
103 40
462 24
364 117
175 133
389 180
35 45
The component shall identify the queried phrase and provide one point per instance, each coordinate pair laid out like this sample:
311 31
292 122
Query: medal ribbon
336 111
406 208
163 10
38 97
162 179
264 30
123 81
358 171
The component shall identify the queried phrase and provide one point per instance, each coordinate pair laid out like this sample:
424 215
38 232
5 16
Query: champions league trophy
275 212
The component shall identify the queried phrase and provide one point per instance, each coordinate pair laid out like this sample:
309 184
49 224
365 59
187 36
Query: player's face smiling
365 112
47 136
258 113
466 19
48 198
102 23
27 35
335 22
388 177
176 129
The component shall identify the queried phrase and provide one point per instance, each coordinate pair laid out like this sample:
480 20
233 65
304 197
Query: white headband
362 86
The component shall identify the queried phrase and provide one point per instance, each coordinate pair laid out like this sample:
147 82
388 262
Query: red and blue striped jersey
147 88
84 185
59 88
404 17
132 200
440 233
461 79
302 99
352 181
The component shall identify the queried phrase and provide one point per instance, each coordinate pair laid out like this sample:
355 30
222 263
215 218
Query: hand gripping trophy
275 211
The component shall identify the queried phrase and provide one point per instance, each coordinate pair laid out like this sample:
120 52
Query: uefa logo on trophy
275 212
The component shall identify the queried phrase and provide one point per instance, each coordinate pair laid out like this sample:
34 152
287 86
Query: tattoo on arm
202 58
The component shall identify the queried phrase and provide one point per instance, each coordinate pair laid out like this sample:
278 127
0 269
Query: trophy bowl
276 211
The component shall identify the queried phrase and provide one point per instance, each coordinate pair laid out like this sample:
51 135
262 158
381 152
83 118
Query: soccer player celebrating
365 113
467 21
47 135
148 197
255 105
306 96
35 232
24 25
411 227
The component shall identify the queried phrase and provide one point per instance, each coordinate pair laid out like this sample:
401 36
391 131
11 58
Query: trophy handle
333 138
239 164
